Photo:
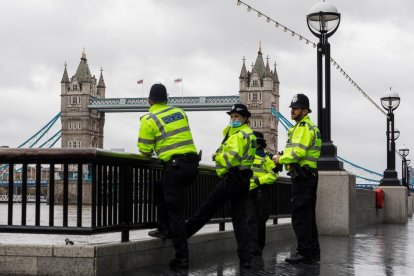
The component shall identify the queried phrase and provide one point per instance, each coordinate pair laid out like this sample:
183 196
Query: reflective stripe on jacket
237 151
262 171
303 145
165 131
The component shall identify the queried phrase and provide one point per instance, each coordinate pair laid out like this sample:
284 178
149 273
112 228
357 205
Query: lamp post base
390 178
328 160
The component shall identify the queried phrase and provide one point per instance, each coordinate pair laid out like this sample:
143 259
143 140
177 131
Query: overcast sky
204 42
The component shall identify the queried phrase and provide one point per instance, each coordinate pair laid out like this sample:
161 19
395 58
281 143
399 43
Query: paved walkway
376 250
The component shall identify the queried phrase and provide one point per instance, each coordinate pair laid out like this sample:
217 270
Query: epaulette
302 124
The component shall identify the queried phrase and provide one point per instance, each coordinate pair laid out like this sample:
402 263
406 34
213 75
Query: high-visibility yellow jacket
237 151
303 145
165 131
262 171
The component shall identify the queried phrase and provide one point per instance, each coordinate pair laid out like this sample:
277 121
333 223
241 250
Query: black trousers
178 174
236 190
303 214
258 211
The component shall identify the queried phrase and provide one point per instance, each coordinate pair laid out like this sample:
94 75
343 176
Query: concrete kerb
115 258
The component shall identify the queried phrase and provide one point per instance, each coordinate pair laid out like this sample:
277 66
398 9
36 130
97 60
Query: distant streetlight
406 173
390 102
403 152
323 21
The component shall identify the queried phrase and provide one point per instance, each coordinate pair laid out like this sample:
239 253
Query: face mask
235 123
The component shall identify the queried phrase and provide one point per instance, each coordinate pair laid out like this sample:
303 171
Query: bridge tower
81 127
259 91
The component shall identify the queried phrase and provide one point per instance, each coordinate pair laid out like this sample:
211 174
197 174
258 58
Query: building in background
81 127
259 91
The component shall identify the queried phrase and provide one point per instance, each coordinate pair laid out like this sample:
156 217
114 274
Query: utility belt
236 171
185 157
297 171
176 159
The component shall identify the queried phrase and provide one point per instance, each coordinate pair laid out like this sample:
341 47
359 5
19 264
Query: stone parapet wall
366 212
116 258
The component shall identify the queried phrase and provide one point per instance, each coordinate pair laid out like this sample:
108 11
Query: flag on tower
141 81
178 80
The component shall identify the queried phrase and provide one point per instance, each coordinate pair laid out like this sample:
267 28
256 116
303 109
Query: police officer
300 159
233 159
259 203
165 131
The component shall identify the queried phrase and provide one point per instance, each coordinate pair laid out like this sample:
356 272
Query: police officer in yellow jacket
300 159
259 204
233 159
165 131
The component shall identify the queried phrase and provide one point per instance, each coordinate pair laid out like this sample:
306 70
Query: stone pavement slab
383 249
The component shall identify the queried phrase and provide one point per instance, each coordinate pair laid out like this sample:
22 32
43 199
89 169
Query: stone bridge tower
259 91
81 127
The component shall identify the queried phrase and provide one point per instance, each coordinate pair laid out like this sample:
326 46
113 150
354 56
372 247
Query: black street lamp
390 102
323 21
403 152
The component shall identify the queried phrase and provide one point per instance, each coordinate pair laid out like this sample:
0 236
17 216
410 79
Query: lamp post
403 152
323 21
390 102
407 176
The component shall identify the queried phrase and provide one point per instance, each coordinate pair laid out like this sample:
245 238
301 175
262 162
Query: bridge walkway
383 249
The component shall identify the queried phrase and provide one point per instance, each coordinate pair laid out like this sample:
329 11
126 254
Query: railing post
65 193
79 196
10 200
222 226
125 201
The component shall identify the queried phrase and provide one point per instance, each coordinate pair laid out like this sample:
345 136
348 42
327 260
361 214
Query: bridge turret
101 87
276 81
64 83
244 76
259 91
267 78
82 127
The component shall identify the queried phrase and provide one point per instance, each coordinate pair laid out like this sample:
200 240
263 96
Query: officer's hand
213 156
146 154
275 158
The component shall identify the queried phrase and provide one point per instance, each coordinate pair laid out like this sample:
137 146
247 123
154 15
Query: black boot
179 263
159 233
299 259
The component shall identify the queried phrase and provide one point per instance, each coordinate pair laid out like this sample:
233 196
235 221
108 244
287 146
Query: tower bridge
83 103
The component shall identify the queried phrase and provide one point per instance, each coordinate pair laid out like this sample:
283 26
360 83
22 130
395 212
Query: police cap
300 100
240 109
158 93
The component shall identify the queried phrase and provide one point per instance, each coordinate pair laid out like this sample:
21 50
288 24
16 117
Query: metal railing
117 189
